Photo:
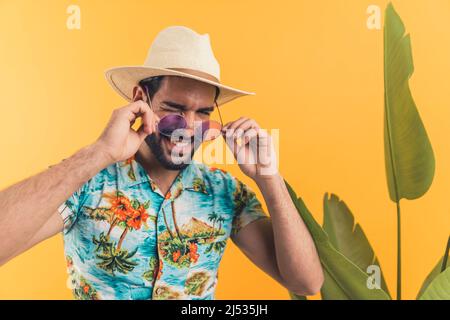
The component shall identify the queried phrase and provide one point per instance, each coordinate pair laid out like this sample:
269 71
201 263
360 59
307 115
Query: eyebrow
183 107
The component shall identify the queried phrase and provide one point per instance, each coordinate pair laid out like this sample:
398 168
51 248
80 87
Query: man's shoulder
107 174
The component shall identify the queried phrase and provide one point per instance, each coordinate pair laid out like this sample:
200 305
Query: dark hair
154 83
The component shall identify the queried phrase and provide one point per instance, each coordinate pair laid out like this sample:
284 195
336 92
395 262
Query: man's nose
190 122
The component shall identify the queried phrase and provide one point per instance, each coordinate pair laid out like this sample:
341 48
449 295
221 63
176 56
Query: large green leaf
431 276
343 279
348 238
409 157
439 288
442 264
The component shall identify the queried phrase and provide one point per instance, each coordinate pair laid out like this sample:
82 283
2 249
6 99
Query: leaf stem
399 254
445 259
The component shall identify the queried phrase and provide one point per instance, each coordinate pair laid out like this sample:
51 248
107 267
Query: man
140 224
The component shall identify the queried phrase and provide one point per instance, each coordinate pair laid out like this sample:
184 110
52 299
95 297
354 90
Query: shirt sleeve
71 207
247 207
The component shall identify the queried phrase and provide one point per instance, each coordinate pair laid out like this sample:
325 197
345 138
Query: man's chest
172 243
129 215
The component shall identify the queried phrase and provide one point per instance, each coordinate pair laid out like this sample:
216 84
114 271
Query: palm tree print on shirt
180 248
154 271
125 214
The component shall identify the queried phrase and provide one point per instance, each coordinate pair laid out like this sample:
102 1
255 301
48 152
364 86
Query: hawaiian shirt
124 239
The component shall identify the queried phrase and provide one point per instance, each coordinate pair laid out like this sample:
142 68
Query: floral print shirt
124 239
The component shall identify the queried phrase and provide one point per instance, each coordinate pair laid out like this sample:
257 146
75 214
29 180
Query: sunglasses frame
151 108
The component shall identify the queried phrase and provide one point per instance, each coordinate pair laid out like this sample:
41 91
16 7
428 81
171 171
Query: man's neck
160 175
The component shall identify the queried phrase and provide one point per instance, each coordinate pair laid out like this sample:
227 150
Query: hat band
197 73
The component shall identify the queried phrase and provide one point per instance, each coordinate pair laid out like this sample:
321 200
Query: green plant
438 288
345 254
348 238
343 248
437 283
409 157
343 279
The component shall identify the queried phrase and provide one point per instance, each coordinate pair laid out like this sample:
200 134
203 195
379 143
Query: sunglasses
168 124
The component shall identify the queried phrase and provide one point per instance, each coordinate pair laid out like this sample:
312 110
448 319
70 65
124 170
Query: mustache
190 139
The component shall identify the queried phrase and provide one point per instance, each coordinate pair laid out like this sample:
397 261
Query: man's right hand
29 208
119 141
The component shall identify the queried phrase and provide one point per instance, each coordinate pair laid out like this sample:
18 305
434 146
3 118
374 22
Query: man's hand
252 148
281 246
29 208
119 141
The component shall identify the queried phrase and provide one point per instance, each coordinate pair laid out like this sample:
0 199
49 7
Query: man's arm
29 204
282 245
29 208
53 225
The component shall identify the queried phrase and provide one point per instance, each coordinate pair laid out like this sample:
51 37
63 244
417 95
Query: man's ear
138 94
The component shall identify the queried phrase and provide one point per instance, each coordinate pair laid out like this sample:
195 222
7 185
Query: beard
155 143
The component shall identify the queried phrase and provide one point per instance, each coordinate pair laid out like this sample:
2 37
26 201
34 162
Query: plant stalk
399 254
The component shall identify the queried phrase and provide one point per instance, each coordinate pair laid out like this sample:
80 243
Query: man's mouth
180 147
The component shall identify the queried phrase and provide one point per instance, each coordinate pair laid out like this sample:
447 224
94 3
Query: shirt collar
130 173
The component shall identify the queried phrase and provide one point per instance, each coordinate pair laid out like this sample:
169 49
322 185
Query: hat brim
124 79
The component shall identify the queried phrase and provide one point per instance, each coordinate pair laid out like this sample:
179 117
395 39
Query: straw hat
176 51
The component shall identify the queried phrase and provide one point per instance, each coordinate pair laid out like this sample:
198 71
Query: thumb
231 141
142 132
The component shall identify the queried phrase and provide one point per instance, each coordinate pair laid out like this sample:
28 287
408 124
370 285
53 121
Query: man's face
192 99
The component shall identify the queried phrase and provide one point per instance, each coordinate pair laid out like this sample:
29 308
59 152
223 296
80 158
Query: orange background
318 74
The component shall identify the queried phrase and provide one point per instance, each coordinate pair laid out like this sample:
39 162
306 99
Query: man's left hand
252 147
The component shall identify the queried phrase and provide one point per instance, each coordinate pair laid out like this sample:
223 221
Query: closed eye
170 106
170 109
206 111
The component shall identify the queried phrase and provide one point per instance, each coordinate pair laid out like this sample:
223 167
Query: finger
148 120
229 126
232 142
141 132
241 152
136 107
244 126
142 109
236 123
249 135
263 138
130 112
266 153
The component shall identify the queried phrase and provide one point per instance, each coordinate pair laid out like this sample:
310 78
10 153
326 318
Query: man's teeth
181 144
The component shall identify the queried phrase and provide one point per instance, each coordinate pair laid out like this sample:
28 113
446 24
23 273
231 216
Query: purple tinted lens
168 124
210 130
